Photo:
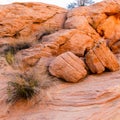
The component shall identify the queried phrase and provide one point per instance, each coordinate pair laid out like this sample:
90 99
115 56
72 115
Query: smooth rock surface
95 98
55 44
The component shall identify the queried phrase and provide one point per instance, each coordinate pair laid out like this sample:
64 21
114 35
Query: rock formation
100 57
69 67
51 44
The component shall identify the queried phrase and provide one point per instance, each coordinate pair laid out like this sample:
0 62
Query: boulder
109 29
81 23
68 67
100 57
49 46
94 63
25 23
69 40
55 44
98 20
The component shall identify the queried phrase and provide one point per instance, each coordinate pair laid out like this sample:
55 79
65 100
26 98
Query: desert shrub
9 55
22 88
12 50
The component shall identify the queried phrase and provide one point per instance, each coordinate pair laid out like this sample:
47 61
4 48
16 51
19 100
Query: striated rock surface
100 57
38 36
95 98
94 63
69 67
55 44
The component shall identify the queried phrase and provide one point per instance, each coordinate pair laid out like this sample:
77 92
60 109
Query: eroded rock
68 66
25 23
100 57
110 30
94 63
69 40
55 44
50 31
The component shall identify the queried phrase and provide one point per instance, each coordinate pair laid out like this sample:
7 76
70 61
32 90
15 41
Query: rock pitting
80 46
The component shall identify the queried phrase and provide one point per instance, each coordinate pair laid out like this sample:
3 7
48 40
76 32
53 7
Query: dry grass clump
22 88
9 55
36 80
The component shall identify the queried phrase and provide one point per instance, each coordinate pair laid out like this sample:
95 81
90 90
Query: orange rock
116 47
106 57
22 23
100 57
81 23
56 44
69 40
68 67
94 64
29 57
49 31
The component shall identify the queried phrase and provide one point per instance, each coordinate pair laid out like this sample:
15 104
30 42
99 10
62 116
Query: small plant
9 55
22 89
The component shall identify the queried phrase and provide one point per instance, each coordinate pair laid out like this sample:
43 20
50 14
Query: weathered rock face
110 30
69 40
100 57
69 67
55 44
40 36
83 25
25 23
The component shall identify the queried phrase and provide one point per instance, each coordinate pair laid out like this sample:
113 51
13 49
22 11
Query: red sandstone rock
81 23
68 67
25 23
110 30
97 97
69 40
100 57
56 44
116 47
102 17
94 64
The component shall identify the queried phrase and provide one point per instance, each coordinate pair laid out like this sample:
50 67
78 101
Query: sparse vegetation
9 55
22 88
34 81
12 50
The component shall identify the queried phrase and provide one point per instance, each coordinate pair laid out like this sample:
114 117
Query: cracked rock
100 57
68 67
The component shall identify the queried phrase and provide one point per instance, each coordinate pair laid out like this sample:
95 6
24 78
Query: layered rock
100 57
55 44
69 67
94 63
102 17
41 36
83 25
